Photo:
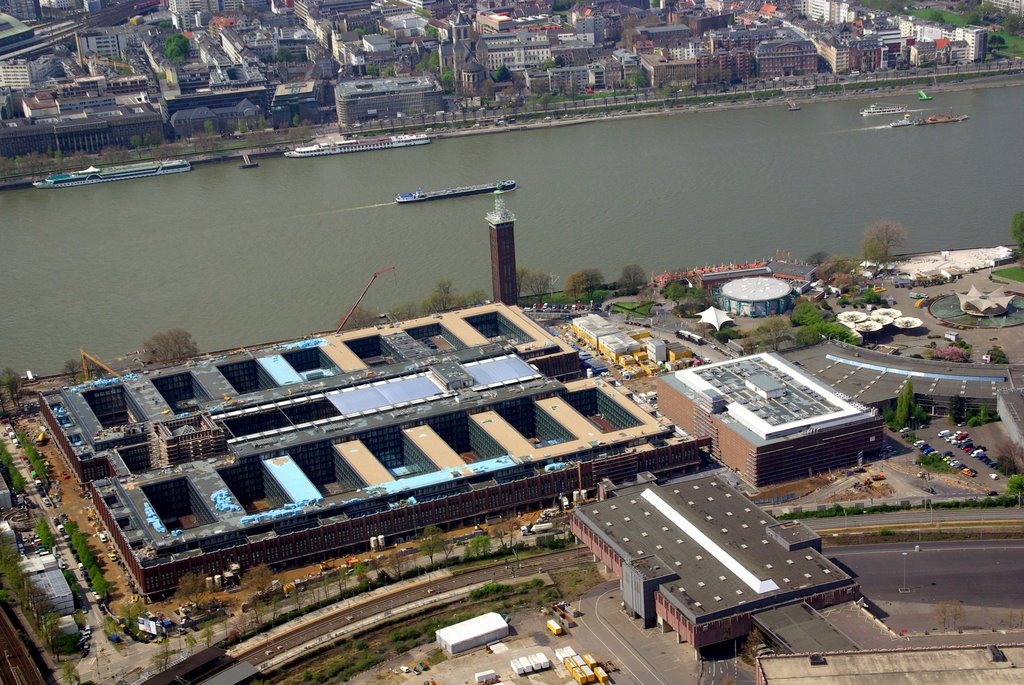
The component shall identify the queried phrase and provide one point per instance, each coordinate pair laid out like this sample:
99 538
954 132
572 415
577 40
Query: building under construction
308 449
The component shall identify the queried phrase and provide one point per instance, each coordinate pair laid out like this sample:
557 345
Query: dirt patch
800 488
876 491
573 582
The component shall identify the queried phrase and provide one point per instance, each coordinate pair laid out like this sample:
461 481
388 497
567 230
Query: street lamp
904 589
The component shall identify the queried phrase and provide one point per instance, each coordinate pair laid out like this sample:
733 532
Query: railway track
16 665
301 635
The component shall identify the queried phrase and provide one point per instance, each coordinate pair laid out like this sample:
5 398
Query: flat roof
385 394
361 460
715 540
501 371
801 629
805 403
756 289
436 449
870 377
293 481
926 666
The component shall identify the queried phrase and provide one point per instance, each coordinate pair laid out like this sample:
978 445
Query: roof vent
995 654
626 519
717 598
817 660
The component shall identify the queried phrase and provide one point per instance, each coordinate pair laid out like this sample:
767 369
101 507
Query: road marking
1004 548
629 648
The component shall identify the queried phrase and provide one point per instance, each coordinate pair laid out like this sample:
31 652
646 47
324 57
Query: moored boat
114 173
346 145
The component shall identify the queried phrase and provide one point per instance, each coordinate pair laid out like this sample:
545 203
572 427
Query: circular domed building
978 303
757 296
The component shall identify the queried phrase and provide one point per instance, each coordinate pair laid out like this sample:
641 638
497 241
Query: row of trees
35 604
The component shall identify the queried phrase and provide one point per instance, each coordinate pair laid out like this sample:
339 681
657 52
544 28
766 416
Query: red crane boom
348 316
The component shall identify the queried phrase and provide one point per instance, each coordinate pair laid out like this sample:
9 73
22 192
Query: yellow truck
555 628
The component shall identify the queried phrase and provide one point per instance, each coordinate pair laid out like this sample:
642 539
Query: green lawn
1014 273
947 17
1014 44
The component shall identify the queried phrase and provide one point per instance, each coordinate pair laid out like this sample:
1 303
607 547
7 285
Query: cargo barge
424 196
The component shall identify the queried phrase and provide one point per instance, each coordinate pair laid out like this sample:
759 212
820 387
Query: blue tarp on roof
501 370
442 476
297 487
379 395
280 370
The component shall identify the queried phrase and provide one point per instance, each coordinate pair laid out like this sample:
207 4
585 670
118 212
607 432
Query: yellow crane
86 358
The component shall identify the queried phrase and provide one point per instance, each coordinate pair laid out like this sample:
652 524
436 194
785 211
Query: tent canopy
716 317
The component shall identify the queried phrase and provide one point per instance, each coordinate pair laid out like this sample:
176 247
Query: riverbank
585 111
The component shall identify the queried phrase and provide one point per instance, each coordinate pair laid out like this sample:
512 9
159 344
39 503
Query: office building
387 98
770 420
304 449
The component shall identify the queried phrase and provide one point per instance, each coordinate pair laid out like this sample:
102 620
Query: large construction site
305 449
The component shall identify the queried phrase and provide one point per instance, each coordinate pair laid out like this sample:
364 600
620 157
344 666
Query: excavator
86 358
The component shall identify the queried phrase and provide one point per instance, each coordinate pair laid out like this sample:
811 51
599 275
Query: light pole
903 588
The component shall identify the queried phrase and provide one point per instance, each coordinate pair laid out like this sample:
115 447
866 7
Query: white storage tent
475 632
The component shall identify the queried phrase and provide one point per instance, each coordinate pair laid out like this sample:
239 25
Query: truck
555 628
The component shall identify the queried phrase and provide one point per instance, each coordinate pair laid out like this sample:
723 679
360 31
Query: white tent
716 317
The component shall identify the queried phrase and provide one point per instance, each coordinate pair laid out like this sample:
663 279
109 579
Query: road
915 516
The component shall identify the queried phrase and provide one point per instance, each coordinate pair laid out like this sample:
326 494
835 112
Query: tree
10 383
806 314
191 588
448 80
536 283
163 656
817 258
506 531
283 55
1017 230
69 673
1015 485
956 409
257 579
501 74
632 277
771 334
431 542
904 405
362 317
71 368
207 635
442 298
176 48
479 546
880 238
190 642
996 355
170 345
49 629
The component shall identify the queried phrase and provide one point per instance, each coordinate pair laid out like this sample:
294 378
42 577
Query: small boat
423 196
923 96
905 121
877 109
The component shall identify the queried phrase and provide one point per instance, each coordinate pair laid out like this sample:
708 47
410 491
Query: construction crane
348 316
86 358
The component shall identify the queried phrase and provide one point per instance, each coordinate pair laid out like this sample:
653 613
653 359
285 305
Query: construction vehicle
86 358
41 439
878 476
351 311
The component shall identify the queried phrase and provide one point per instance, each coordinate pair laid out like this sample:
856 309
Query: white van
103 538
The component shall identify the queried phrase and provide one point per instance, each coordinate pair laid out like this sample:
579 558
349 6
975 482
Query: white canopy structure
980 303
855 317
716 317
907 322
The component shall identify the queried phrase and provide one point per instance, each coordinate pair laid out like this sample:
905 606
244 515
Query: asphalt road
979 573
915 516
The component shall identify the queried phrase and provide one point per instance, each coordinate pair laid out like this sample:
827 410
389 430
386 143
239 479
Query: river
239 257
